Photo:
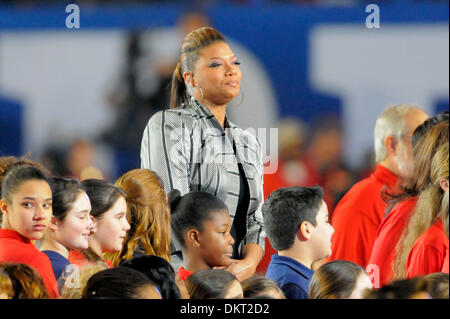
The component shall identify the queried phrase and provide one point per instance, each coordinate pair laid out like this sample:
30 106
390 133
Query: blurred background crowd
78 100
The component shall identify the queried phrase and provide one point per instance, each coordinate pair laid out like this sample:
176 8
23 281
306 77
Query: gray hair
390 123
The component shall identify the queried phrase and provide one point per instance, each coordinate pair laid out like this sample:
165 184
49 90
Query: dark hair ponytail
192 210
17 176
178 93
103 196
64 194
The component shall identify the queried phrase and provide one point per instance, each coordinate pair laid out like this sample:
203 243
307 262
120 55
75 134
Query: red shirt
357 217
388 235
445 265
15 248
428 253
77 258
184 273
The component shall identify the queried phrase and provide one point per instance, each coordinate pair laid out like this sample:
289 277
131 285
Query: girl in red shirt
109 213
422 247
428 253
201 223
26 205
402 205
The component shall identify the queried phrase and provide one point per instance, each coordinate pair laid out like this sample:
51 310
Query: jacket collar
385 176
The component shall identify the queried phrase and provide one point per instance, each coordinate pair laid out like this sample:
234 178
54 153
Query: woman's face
112 227
73 232
216 242
217 72
30 210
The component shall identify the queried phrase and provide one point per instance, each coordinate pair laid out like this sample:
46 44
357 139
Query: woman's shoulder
175 117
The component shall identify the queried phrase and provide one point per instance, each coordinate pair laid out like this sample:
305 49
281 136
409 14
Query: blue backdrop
277 34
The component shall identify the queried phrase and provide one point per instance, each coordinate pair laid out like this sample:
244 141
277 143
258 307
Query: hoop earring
240 103
201 92
193 99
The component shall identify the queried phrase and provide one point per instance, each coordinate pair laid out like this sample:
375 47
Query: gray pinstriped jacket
190 151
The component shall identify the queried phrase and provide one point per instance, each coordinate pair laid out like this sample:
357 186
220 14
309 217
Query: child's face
74 231
216 242
321 233
113 226
30 210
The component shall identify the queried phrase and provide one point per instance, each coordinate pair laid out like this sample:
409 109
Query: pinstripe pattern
190 151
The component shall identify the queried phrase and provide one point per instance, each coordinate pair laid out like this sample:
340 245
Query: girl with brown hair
426 140
108 213
26 206
27 282
339 279
148 215
423 246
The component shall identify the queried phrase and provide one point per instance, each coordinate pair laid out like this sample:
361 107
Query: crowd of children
92 239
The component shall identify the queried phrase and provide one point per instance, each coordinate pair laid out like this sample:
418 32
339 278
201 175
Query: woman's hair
191 46
335 280
15 176
257 286
6 285
399 289
209 283
64 194
424 142
27 282
438 286
116 283
103 196
431 206
15 172
74 290
7 163
159 271
148 215
191 211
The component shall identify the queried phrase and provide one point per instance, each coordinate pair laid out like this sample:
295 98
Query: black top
239 226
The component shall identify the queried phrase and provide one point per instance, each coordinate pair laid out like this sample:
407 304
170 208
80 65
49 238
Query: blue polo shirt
59 262
291 276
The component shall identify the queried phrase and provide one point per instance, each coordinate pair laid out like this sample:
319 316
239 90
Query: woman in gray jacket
193 147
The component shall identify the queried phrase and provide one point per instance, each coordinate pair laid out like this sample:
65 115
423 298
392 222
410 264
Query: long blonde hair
431 207
148 215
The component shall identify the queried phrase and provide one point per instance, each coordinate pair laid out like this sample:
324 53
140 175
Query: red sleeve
44 267
354 235
445 265
424 260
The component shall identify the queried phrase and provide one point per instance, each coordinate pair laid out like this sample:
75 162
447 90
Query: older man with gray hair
360 212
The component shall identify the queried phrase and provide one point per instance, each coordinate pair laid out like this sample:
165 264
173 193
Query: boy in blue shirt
298 227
